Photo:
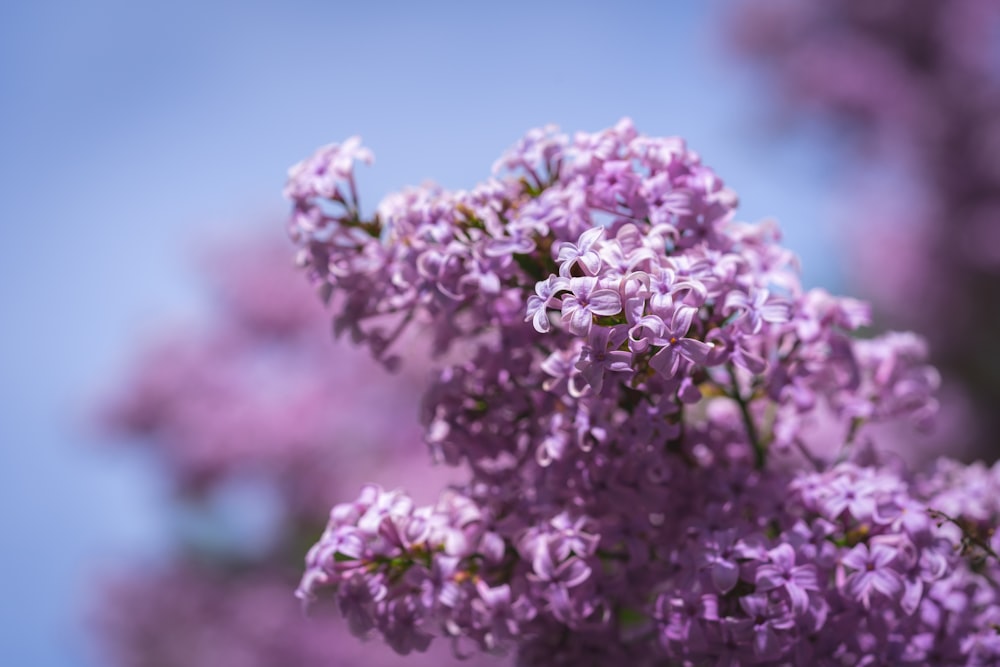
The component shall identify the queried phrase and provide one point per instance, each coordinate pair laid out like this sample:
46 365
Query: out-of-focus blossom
260 393
190 615
918 81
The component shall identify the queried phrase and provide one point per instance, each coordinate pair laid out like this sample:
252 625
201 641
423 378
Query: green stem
759 450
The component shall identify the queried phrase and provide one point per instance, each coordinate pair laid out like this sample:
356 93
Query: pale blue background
133 133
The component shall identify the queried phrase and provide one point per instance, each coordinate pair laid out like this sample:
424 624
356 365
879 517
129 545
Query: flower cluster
849 565
629 374
918 80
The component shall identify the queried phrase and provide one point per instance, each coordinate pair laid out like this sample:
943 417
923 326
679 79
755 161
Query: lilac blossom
539 303
871 572
756 310
633 396
782 574
585 300
322 174
582 254
675 344
601 356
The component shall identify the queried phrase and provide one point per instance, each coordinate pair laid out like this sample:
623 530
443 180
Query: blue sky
135 133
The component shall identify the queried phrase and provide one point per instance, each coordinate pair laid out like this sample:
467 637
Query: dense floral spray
669 441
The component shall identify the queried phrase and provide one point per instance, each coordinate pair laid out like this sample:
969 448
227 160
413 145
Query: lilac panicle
632 380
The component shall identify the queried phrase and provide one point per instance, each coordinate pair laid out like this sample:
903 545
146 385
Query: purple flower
782 574
661 291
855 496
402 627
676 345
720 559
596 358
560 367
872 573
542 300
764 624
321 174
356 598
752 312
568 573
615 182
582 252
587 299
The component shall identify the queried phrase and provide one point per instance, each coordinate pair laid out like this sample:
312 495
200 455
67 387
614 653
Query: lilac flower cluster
843 566
629 373
919 81
258 396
